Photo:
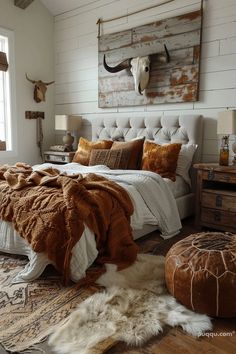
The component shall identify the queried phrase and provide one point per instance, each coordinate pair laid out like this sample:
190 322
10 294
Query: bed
187 129
163 210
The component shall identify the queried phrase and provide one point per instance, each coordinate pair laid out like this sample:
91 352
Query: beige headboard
161 129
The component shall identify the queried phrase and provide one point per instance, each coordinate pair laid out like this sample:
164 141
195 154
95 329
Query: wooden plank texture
176 81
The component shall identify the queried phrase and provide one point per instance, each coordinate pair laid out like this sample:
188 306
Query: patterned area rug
28 311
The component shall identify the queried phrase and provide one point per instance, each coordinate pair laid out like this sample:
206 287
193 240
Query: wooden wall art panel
173 81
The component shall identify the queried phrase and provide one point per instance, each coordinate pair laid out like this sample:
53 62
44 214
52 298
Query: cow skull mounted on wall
40 89
139 67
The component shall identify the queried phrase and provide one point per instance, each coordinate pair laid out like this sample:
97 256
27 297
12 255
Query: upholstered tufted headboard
162 129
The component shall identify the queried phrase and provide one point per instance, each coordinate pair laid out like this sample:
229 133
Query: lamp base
224 151
68 140
224 158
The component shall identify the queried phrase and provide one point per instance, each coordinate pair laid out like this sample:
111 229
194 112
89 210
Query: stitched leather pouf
200 273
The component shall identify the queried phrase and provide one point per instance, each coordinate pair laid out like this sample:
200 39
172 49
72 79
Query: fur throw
50 209
134 307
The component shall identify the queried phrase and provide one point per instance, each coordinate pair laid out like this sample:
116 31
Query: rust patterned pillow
114 159
85 147
161 159
135 148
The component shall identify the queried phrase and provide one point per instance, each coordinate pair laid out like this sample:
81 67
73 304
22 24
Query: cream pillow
185 161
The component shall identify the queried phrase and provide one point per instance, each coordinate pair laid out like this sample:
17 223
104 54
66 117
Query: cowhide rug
134 307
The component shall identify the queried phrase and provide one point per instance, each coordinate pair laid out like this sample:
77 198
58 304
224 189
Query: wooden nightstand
58 157
216 196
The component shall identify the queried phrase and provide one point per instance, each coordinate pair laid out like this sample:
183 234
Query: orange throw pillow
85 147
161 159
135 148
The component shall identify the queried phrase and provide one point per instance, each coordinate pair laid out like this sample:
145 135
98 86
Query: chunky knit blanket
49 209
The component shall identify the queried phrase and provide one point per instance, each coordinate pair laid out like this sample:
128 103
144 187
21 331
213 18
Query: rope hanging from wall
100 21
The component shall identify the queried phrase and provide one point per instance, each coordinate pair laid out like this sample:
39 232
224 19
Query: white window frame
11 134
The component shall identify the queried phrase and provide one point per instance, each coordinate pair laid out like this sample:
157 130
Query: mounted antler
139 67
40 88
167 54
48 83
165 58
33 81
126 64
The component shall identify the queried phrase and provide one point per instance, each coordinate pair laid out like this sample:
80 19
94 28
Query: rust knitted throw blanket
50 209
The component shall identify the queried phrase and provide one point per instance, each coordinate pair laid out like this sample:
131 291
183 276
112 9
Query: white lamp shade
61 122
226 123
74 123
68 123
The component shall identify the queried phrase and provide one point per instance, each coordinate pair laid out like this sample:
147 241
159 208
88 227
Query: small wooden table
216 196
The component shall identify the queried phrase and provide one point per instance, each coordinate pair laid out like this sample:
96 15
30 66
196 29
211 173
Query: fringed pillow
135 148
114 159
85 147
161 159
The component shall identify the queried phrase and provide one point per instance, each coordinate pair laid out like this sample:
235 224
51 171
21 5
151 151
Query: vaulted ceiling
57 7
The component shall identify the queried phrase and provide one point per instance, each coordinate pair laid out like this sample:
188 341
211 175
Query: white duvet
153 202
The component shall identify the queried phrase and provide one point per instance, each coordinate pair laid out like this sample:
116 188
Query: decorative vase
224 152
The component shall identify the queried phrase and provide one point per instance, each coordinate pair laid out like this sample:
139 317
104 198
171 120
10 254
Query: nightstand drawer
54 158
220 218
58 157
219 177
216 196
219 199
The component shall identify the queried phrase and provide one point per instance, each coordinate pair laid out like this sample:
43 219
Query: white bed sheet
84 253
179 187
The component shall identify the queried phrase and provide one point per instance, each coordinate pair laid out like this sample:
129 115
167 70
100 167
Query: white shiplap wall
33 32
76 54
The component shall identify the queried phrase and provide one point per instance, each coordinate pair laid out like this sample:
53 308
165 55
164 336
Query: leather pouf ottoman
200 273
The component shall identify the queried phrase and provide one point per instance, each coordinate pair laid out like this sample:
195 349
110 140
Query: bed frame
161 129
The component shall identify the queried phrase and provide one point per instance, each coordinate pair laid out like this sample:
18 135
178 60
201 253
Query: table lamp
226 125
68 123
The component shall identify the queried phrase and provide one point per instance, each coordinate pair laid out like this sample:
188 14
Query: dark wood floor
175 341
222 340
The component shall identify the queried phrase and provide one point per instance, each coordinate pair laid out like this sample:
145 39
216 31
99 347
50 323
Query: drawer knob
217 216
211 175
219 201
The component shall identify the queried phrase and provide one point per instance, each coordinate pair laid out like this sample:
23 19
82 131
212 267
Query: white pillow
185 161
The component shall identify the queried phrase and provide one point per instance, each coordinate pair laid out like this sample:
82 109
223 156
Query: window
7 99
